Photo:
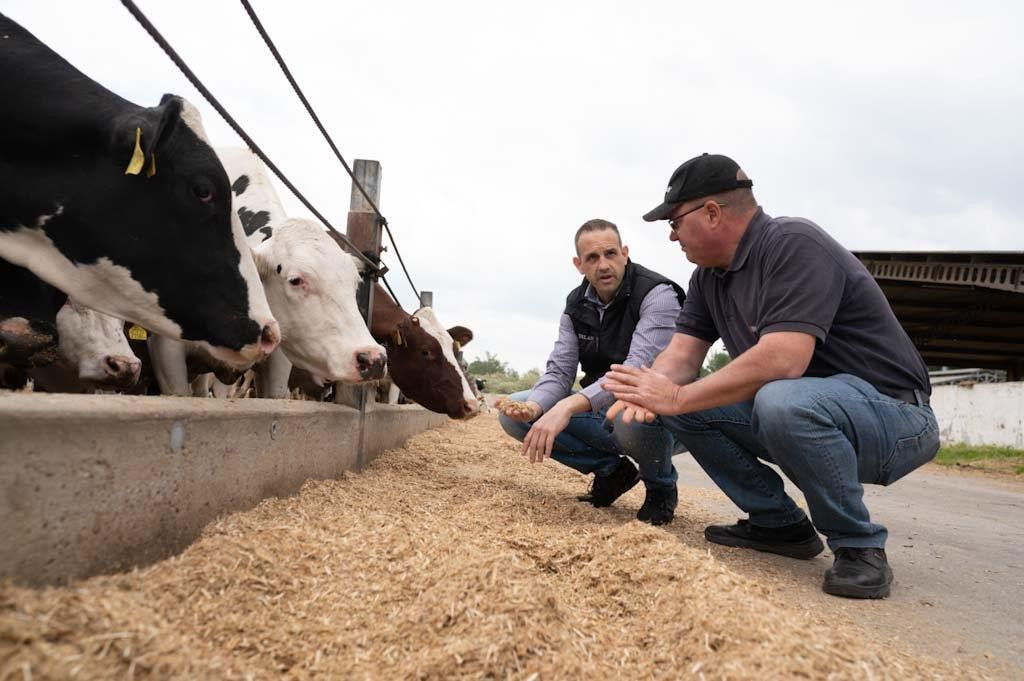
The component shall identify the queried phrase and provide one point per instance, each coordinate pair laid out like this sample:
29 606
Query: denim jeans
590 445
828 435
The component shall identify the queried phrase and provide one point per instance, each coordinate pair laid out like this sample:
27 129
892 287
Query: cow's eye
202 189
295 281
426 353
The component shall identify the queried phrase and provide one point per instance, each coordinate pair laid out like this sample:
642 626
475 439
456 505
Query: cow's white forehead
432 325
194 120
304 245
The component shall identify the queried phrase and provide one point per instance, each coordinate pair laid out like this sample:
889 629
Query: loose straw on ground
448 558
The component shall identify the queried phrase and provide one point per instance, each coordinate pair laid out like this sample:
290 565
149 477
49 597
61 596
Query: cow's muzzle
371 365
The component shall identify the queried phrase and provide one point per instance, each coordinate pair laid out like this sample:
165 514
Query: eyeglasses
677 220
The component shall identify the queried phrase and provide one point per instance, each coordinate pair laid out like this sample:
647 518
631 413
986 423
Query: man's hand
519 411
538 442
643 387
630 413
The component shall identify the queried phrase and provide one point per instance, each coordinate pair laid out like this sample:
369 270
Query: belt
916 397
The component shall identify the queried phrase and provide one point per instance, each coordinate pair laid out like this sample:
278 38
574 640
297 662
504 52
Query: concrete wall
93 484
982 414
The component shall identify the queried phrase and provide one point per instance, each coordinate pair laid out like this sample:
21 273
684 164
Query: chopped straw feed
449 558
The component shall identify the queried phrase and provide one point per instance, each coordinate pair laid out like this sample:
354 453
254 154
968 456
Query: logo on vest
585 337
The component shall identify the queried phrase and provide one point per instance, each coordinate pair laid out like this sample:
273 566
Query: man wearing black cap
824 382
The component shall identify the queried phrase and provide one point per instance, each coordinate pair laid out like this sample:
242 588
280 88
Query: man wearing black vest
622 313
824 381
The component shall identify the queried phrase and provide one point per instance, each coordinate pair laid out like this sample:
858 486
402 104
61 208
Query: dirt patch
1004 469
448 558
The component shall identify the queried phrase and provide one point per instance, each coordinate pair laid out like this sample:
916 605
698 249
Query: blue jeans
589 445
828 435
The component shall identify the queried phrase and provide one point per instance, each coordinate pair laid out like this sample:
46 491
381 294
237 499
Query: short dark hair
595 225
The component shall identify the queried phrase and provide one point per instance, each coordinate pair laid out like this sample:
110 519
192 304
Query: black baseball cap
702 175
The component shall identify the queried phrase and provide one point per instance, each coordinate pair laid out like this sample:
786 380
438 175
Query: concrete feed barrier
94 484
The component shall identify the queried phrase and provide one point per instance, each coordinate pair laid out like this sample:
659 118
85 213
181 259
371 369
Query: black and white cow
94 354
126 208
311 287
422 362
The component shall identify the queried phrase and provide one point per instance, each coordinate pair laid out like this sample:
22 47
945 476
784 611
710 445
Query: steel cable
330 141
375 269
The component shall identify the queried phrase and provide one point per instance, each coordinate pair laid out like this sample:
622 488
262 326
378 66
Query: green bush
508 382
714 363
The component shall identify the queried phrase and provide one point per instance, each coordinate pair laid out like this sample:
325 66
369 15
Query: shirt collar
592 297
750 237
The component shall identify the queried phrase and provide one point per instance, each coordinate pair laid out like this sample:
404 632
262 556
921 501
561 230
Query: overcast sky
503 126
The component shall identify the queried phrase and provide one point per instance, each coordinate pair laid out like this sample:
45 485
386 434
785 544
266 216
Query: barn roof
961 308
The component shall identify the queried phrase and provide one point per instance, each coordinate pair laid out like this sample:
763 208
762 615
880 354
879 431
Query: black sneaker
605 489
799 540
659 505
858 573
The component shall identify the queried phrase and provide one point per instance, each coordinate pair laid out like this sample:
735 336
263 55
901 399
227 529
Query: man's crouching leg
831 435
651 446
584 446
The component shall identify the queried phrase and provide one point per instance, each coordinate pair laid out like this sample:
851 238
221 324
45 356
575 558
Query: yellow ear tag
136 332
138 158
458 346
151 170
397 338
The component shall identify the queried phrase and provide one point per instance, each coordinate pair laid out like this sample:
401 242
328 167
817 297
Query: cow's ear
164 119
262 260
460 334
139 135
359 263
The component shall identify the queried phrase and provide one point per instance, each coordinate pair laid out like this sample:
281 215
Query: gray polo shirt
789 275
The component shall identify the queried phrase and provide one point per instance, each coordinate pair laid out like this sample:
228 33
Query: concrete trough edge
99 484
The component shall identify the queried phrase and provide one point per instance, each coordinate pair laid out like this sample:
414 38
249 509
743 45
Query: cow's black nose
370 368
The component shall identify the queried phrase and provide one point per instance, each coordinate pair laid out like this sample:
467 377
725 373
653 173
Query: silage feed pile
449 558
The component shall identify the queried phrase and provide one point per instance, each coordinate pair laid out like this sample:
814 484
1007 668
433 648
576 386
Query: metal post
364 230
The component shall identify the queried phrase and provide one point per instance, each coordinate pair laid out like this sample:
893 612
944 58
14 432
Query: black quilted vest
605 341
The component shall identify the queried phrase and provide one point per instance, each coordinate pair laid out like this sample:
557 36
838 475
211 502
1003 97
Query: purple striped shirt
653 333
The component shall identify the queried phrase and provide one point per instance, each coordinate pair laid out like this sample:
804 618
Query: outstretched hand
630 413
518 411
648 392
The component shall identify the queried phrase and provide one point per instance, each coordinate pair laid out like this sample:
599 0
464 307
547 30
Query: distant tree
490 364
500 378
530 377
714 363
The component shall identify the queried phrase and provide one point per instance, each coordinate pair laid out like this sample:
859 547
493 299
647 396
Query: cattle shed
960 308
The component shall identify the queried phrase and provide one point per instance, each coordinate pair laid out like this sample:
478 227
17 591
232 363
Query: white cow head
95 343
311 285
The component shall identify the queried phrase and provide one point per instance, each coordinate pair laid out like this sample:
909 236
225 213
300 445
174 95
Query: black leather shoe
605 489
659 506
799 540
858 573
